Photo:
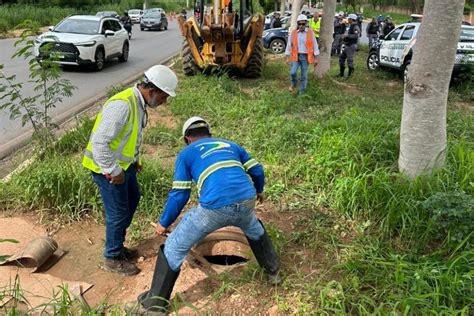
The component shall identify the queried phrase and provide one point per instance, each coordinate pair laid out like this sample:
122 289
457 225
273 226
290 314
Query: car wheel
125 50
373 61
277 46
406 66
99 59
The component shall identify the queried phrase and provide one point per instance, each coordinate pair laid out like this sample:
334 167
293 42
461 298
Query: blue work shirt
223 172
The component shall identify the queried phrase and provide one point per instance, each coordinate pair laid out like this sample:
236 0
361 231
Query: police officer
339 30
372 31
350 45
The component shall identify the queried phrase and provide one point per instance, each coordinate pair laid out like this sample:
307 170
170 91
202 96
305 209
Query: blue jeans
303 63
120 202
199 222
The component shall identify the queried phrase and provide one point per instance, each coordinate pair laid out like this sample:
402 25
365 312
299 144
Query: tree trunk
423 127
416 6
325 39
282 8
295 11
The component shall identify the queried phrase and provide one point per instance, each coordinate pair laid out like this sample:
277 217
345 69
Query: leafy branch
45 76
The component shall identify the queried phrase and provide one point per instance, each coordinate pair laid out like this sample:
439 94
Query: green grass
397 18
331 161
15 14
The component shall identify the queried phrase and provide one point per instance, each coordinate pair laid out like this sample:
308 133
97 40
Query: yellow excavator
223 34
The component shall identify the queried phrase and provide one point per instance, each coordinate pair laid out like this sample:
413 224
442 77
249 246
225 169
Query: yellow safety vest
315 26
124 146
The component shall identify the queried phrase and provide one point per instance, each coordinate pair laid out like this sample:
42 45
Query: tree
423 127
325 39
49 86
295 11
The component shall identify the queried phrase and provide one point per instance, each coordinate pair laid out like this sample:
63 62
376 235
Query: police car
396 49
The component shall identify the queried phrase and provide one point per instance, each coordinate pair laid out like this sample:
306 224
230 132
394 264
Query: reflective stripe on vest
214 167
124 146
309 45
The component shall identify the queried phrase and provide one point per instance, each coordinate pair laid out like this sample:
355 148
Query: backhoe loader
223 35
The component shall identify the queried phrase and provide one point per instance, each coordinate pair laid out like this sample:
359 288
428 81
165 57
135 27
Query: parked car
108 13
395 50
269 15
275 39
154 20
135 15
154 10
84 40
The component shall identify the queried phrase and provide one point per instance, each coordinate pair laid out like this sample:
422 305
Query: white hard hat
163 78
352 16
195 122
341 13
301 17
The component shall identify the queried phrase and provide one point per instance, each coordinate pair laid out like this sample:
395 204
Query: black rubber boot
157 297
351 71
266 256
341 71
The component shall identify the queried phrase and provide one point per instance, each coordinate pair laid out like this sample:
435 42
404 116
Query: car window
408 33
77 26
115 26
107 26
467 34
395 33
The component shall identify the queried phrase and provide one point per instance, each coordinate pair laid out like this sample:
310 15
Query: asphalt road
146 49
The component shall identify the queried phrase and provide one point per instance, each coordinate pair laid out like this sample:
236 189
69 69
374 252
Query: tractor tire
189 64
254 66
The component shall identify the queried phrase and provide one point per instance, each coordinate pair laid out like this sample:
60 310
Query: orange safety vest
309 45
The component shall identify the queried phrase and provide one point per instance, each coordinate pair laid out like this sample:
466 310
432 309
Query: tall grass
330 156
13 15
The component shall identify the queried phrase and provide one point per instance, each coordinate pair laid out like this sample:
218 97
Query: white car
84 40
396 49
135 15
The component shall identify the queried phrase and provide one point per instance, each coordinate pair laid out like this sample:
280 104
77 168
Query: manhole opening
225 260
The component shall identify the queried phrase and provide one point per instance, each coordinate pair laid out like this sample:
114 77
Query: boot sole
104 267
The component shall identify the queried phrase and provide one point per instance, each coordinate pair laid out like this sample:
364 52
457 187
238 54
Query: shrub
452 215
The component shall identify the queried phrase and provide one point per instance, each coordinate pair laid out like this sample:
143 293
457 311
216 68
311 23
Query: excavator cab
223 34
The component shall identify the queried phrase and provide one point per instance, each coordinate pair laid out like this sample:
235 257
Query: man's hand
288 60
138 167
316 62
261 197
118 179
160 230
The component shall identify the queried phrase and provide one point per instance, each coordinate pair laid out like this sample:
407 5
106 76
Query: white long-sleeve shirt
114 117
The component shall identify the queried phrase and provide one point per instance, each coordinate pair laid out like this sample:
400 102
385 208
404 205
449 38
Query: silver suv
84 40
396 49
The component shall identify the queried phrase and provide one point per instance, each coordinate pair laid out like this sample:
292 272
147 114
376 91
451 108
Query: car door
400 50
388 47
120 35
108 41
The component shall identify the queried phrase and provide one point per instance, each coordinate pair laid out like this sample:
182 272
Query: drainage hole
225 260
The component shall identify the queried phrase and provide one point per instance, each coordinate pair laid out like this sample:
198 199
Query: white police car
396 49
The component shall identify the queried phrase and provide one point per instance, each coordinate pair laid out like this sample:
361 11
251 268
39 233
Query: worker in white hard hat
301 51
228 181
112 156
350 46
